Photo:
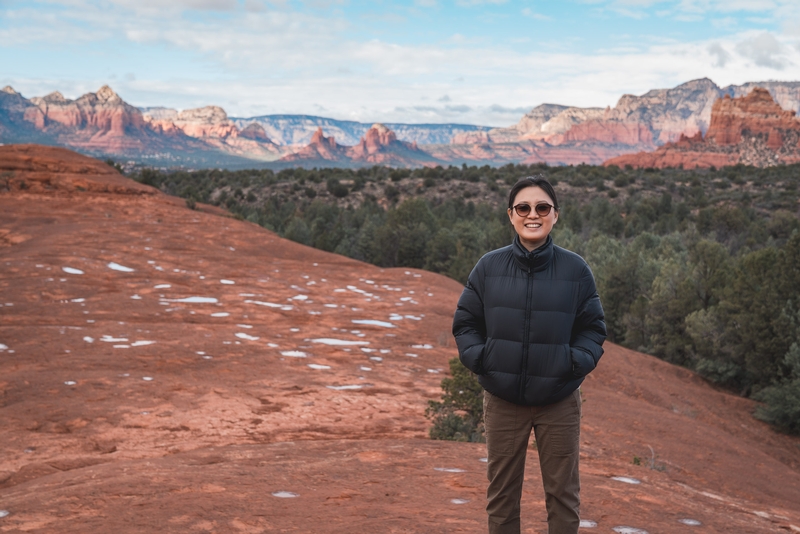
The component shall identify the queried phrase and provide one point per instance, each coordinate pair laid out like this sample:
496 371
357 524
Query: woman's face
532 229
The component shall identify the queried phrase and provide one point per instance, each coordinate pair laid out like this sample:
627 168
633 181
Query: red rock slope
170 370
753 130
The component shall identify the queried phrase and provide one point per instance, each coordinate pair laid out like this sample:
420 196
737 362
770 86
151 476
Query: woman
530 325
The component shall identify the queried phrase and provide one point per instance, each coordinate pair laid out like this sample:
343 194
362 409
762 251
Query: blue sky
469 61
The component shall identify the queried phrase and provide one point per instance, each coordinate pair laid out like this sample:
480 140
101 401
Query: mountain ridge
103 124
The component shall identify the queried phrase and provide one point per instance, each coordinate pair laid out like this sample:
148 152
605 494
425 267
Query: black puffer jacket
530 324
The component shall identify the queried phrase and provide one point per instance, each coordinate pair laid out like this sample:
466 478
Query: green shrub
459 415
336 188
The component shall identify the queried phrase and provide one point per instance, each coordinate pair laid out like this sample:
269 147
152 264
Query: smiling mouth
533 225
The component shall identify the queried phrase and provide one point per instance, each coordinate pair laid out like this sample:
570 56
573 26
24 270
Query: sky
485 62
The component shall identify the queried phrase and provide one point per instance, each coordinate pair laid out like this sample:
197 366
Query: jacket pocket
582 362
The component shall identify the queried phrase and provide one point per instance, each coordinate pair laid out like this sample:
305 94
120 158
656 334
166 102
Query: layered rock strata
753 130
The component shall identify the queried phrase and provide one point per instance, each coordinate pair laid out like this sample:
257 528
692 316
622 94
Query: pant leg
508 427
558 429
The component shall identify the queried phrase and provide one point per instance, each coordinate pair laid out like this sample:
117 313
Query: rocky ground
173 370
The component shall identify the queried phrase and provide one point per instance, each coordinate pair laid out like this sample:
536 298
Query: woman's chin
532 242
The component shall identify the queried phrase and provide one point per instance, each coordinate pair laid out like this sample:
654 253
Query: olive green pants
557 429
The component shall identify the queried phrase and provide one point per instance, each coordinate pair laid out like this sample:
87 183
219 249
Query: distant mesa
752 129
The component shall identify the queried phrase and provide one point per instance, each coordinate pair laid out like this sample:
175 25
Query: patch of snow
411 354
136 297
374 323
117 267
284 307
690 522
424 346
338 342
121 346
318 366
141 343
629 530
71 270
220 314
227 282
147 378
294 353
585 523
109 339
342 388
273 345
459 501
362 368
70 382
627 480
88 339
434 371
242 335
449 469
162 286
244 325
284 494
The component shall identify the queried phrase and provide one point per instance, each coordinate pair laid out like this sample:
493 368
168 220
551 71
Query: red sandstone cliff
320 148
753 130
379 146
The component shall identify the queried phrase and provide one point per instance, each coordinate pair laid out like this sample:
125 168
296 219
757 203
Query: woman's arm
589 329
469 325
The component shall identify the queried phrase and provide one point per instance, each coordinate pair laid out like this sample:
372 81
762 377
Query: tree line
699 268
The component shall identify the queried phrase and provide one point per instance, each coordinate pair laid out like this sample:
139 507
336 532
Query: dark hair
533 181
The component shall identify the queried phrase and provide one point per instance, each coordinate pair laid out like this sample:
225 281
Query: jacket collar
537 260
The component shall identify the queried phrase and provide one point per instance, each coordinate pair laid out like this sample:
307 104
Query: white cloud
722 56
764 50
284 61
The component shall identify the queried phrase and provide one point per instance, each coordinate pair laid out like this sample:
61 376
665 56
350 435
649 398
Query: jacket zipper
525 344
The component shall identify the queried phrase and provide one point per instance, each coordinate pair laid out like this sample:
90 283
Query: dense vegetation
700 268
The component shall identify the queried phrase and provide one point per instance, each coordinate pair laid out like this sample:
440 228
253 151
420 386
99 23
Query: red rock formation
209 121
754 114
103 111
379 146
607 132
320 148
753 130
255 132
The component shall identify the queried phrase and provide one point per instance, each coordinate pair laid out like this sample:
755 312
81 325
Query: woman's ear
510 215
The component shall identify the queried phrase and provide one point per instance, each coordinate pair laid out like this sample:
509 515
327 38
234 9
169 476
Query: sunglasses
542 209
